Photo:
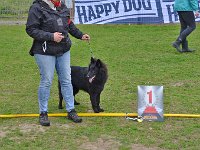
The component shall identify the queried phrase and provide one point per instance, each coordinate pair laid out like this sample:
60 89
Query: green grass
14 9
135 55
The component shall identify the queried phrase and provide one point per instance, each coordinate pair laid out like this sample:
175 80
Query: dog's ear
92 60
98 63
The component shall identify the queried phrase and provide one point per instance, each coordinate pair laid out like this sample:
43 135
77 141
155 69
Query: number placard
150 103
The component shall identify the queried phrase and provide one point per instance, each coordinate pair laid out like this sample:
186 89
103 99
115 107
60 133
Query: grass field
135 55
14 9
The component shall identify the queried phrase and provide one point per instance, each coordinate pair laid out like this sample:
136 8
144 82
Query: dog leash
91 52
138 119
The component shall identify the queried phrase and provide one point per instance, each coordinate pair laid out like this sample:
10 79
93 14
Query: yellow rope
99 115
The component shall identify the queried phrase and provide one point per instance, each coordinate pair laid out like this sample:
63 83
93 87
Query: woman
186 15
48 24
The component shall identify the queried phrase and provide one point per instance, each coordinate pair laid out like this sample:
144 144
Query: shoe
176 45
72 115
185 47
43 119
187 50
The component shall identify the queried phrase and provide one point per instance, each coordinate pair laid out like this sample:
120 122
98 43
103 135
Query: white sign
150 102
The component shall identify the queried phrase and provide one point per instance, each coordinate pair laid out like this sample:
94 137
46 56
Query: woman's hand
58 37
85 37
196 14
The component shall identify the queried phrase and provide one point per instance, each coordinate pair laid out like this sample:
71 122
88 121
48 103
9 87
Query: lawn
135 55
17 9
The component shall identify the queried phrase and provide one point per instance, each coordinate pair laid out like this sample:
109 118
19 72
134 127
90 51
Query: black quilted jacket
43 21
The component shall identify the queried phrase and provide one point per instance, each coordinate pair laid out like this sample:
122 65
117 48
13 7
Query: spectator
186 15
48 24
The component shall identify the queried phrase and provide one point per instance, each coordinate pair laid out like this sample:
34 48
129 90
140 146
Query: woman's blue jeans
47 65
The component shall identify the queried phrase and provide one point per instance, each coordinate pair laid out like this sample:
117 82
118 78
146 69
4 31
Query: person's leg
182 23
178 41
46 65
64 74
189 21
191 25
183 28
188 25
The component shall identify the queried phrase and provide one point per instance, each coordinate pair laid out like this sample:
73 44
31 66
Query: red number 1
150 96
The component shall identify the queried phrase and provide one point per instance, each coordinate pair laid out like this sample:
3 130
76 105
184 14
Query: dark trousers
188 24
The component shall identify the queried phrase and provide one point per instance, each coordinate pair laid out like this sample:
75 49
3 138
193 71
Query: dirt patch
62 126
3 134
109 143
3 131
168 127
102 143
25 128
177 84
142 147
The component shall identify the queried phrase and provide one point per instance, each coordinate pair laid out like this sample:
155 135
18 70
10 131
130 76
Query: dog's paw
60 107
96 110
101 110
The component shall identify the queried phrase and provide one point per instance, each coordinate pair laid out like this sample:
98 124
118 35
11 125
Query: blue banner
125 12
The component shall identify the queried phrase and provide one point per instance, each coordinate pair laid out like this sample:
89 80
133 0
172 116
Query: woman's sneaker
72 115
43 119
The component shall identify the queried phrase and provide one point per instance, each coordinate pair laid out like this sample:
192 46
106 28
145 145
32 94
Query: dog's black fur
90 79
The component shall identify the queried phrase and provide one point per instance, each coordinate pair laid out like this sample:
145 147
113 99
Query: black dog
89 79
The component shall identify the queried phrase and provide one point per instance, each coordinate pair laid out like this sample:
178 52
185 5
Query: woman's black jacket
43 21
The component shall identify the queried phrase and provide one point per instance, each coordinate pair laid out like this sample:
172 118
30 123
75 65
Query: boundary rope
98 115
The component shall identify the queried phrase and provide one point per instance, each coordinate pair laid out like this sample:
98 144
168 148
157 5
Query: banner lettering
125 11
